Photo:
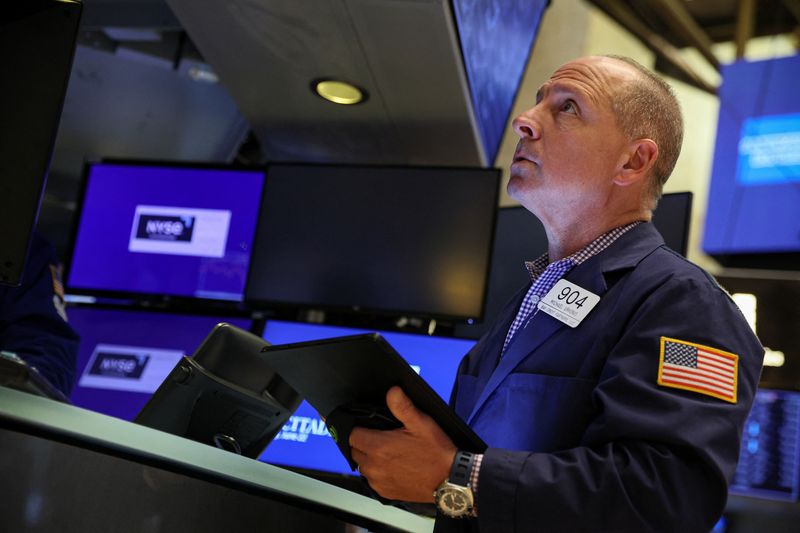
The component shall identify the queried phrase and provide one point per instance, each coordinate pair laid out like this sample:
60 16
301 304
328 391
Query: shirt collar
539 265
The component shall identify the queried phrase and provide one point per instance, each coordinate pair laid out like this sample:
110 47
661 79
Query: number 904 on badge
568 302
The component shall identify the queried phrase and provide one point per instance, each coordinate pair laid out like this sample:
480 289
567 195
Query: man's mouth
522 157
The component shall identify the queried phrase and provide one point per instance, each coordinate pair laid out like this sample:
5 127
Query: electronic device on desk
769 461
346 379
125 354
520 237
155 231
304 442
15 373
226 395
400 240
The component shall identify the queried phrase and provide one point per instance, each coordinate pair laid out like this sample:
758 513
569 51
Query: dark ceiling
666 26
130 45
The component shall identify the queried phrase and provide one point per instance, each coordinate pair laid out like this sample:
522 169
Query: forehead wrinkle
594 79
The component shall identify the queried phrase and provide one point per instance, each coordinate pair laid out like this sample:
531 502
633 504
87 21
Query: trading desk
66 469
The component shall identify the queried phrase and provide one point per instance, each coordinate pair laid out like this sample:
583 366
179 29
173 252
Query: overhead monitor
520 237
769 460
153 230
401 240
125 355
304 442
753 220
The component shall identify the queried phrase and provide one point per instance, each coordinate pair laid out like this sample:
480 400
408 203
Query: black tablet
353 374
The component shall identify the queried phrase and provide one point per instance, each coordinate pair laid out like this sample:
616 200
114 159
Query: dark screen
304 442
520 237
413 240
37 41
672 217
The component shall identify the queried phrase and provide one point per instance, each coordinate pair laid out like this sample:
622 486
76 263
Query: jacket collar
625 253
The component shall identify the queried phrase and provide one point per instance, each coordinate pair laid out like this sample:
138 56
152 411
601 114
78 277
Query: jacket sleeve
33 322
652 458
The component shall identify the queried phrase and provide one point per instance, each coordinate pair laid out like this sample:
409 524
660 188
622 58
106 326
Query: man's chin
516 186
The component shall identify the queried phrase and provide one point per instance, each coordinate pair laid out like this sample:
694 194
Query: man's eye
569 107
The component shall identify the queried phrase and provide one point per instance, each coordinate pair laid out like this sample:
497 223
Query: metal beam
745 23
655 42
678 18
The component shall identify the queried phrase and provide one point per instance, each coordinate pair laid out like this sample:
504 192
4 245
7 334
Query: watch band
462 468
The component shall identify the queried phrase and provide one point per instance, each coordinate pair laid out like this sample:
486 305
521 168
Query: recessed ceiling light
339 92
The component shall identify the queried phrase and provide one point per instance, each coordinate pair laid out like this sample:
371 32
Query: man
619 405
33 321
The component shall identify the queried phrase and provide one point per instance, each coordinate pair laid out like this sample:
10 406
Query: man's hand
405 464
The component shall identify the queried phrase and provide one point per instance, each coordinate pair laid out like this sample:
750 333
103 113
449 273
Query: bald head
646 108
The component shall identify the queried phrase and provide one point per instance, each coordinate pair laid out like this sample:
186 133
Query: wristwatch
454 496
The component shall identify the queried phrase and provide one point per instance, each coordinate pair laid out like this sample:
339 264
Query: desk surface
148 445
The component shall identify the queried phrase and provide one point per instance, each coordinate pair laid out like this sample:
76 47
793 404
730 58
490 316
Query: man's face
570 146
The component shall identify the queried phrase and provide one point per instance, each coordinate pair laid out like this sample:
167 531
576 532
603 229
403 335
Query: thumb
403 408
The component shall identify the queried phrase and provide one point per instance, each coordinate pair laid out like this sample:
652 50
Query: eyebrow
555 87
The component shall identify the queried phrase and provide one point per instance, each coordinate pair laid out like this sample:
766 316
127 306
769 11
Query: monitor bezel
260 304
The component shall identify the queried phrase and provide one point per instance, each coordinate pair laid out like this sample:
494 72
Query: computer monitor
37 42
672 218
752 219
304 442
769 461
400 240
155 230
124 355
520 237
225 395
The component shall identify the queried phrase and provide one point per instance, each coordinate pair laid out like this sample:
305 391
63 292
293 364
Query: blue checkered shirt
544 275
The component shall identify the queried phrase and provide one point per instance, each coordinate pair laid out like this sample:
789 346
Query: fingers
403 408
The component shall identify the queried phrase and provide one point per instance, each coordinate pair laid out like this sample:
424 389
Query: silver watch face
454 500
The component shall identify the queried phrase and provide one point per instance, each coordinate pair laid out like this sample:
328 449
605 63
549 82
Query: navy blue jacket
30 322
581 436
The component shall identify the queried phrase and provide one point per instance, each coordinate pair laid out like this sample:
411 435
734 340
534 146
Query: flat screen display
753 218
769 461
520 237
125 355
150 229
386 239
304 442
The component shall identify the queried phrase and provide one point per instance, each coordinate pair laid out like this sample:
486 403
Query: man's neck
565 240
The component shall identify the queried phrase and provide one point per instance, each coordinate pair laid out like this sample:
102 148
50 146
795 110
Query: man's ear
639 159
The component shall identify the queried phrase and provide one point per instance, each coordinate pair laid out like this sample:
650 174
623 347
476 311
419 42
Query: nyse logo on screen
128 368
165 228
159 229
119 365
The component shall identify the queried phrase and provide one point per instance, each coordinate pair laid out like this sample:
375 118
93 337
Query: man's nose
526 127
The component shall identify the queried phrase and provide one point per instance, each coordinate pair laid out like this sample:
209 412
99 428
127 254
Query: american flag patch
698 368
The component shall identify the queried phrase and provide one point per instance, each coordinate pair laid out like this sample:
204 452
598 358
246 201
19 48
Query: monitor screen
753 218
304 441
379 239
150 229
520 237
769 461
125 355
37 42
